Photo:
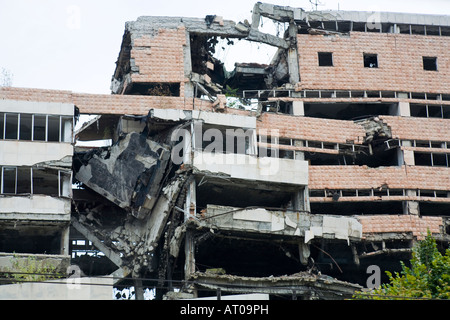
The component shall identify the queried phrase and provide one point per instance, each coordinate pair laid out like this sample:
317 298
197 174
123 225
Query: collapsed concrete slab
128 173
304 284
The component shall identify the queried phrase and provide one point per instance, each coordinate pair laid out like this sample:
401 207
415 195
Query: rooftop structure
288 179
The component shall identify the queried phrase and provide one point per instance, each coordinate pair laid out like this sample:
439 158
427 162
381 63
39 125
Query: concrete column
304 252
65 240
411 207
188 86
138 289
190 205
298 200
404 109
298 108
405 157
189 251
294 70
299 155
401 108
66 181
189 245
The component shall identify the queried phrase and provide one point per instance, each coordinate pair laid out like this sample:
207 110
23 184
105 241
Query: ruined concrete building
289 178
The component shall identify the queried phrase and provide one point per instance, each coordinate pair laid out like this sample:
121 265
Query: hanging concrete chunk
128 173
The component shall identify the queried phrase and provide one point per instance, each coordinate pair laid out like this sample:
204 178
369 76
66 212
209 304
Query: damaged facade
289 178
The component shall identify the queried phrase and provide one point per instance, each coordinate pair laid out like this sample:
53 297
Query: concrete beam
257 36
109 253
275 12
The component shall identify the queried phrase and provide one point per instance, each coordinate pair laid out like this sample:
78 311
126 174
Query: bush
427 278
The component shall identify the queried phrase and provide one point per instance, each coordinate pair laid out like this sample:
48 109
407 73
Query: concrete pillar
188 86
189 244
405 157
299 155
189 250
66 182
404 109
294 70
401 109
304 252
298 200
65 241
298 108
138 289
411 207
190 205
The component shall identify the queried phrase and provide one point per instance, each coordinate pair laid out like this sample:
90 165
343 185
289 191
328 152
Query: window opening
370 60
325 59
430 63
11 126
39 132
26 125
9 175
53 128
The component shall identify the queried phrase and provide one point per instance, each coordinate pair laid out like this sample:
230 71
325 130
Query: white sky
73 45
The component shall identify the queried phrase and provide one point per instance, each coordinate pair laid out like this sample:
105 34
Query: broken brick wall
160 58
314 129
362 177
400 65
410 128
419 226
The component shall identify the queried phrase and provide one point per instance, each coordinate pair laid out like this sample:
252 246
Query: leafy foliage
32 269
427 278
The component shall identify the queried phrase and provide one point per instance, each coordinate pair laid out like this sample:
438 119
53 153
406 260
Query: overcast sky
73 45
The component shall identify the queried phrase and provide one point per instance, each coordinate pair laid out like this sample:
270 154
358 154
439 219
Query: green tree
428 277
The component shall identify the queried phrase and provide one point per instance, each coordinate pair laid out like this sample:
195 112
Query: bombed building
288 179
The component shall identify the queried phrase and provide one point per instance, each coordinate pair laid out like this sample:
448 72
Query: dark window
439 159
9 180
430 63
12 123
2 124
23 180
45 182
26 121
370 60
53 128
40 123
325 59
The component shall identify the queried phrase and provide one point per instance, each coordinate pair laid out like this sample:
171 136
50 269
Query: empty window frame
39 128
36 127
431 159
8 180
11 126
2 125
430 63
45 182
370 60
15 180
25 126
53 128
325 59
430 111
23 182
27 180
